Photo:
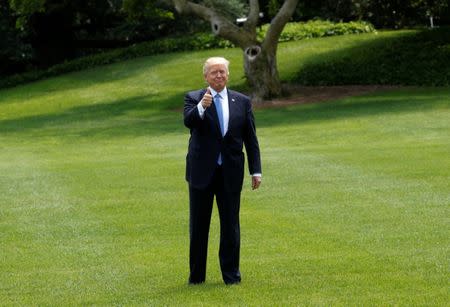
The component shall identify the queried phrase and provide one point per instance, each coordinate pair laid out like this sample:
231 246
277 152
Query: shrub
415 58
295 31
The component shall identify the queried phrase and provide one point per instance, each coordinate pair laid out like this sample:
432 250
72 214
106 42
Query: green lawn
353 210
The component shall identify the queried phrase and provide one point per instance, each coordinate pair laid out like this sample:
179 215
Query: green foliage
142 9
144 19
381 13
232 8
13 51
272 8
396 14
414 58
63 30
431 7
318 28
25 8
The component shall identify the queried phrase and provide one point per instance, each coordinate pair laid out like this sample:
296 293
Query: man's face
217 77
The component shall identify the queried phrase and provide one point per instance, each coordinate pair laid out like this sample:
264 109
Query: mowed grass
353 210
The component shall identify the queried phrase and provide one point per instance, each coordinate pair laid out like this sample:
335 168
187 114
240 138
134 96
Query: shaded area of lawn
133 116
145 115
407 58
377 104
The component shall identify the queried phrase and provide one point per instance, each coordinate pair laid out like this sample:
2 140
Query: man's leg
229 204
200 207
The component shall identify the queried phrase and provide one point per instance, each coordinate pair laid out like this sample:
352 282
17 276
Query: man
220 122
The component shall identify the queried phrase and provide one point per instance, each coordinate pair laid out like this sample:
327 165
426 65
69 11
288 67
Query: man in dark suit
220 121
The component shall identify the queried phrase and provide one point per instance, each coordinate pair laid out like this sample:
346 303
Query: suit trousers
201 204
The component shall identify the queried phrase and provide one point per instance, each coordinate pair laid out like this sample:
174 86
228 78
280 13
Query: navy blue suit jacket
206 141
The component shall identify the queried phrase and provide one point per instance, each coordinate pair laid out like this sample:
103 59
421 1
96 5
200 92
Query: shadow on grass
150 115
86 78
142 115
361 106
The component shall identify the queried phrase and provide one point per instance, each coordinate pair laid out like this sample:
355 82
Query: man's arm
252 147
194 111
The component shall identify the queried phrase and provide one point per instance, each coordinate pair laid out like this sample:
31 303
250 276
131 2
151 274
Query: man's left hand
256 181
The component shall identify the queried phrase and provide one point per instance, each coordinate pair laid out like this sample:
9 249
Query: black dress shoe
191 283
234 282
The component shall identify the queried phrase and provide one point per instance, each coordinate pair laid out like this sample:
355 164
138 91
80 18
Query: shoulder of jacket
195 95
238 95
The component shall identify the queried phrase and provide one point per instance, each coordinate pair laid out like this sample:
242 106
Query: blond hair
213 61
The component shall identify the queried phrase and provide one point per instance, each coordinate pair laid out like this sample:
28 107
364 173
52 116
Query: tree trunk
260 62
261 71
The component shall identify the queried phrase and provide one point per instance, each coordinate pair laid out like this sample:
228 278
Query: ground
314 94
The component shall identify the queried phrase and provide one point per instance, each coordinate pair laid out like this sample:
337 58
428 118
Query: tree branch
220 25
277 24
253 15
188 7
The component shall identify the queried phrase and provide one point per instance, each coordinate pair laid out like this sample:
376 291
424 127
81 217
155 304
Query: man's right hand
207 99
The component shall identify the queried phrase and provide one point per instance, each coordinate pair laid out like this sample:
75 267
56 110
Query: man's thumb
208 91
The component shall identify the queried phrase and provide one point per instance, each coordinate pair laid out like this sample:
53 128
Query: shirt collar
223 93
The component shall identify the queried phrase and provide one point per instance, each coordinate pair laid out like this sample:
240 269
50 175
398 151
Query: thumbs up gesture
207 99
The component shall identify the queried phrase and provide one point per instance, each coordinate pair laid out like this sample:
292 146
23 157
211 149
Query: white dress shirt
225 107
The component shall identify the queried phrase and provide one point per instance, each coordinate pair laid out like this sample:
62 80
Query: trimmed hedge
295 31
200 41
419 57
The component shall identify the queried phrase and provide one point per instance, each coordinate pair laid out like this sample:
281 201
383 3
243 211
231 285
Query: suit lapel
231 109
212 113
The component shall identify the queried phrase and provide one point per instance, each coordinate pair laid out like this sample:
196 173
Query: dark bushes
416 58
